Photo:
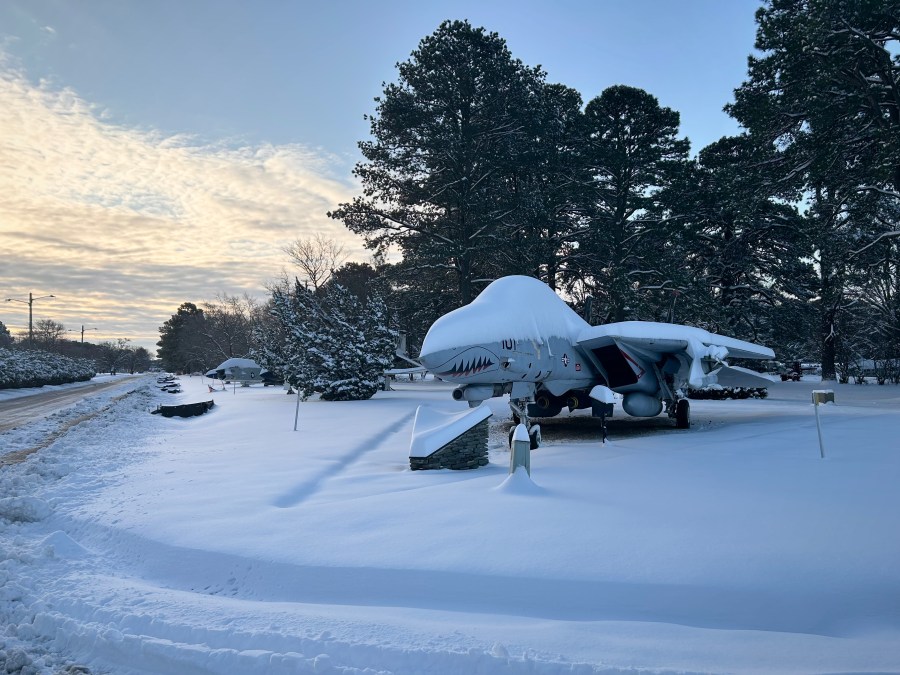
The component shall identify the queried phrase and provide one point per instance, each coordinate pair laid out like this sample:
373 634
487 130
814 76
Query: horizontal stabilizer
735 376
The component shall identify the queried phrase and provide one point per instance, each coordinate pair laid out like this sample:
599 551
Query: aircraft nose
432 360
449 351
440 345
458 364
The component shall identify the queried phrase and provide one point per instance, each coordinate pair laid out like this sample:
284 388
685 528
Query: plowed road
18 411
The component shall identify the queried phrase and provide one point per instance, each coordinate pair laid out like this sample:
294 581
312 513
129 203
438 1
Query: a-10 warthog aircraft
519 338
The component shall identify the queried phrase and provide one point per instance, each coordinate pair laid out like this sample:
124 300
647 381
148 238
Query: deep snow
230 543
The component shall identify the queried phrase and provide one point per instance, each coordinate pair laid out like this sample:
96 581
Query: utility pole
30 302
72 330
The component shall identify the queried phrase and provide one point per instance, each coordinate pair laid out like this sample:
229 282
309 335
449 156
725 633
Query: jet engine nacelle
637 404
477 392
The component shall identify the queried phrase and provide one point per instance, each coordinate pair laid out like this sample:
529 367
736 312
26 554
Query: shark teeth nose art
464 368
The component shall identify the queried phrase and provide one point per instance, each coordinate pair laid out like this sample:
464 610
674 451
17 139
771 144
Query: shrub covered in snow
717 392
36 368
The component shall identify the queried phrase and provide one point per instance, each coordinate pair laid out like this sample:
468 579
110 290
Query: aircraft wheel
512 430
683 414
534 434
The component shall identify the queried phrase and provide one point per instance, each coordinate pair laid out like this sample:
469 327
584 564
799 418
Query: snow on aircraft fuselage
519 338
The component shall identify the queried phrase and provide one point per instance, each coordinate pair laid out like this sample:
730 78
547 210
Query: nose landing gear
519 409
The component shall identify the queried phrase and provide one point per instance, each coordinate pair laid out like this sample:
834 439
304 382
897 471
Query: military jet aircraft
518 337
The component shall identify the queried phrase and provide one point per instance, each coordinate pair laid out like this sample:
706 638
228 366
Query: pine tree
632 153
825 92
330 343
180 346
449 140
739 241
359 343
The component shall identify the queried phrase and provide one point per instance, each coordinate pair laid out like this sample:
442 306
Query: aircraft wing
690 346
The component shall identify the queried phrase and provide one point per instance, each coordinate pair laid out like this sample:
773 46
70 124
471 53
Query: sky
159 153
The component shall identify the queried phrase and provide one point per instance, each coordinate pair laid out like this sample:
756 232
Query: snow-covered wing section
516 307
696 344
667 338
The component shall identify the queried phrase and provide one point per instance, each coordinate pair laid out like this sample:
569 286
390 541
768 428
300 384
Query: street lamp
30 302
72 330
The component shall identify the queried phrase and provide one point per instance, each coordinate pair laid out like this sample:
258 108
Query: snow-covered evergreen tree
268 338
359 342
307 357
329 343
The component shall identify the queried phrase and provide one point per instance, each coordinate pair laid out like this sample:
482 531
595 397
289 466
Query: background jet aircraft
519 338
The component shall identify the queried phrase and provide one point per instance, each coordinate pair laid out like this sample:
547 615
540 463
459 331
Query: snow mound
24 509
520 483
61 545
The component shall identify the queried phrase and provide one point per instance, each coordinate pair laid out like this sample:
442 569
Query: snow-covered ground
230 543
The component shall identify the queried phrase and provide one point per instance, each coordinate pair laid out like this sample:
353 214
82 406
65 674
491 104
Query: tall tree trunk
464 270
830 290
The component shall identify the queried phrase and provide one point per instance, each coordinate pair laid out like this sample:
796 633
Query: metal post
297 410
819 429
821 396
520 452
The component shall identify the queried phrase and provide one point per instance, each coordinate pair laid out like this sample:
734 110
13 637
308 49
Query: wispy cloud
128 223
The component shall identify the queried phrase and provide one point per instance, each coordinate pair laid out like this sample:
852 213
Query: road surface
15 412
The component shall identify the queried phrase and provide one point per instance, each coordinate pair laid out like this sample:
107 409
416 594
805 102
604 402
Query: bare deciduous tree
111 354
48 332
228 327
317 257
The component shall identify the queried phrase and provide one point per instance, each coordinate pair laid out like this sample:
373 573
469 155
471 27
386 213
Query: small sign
823 396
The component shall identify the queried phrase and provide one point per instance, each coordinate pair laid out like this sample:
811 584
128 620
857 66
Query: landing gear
682 414
534 436
519 409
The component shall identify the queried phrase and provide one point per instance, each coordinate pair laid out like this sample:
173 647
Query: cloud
124 224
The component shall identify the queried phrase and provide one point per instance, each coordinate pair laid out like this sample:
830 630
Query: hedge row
717 392
35 369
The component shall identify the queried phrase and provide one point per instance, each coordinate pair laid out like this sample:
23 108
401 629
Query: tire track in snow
308 488
18 456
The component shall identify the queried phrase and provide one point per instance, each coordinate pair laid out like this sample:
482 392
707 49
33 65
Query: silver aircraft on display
518 337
